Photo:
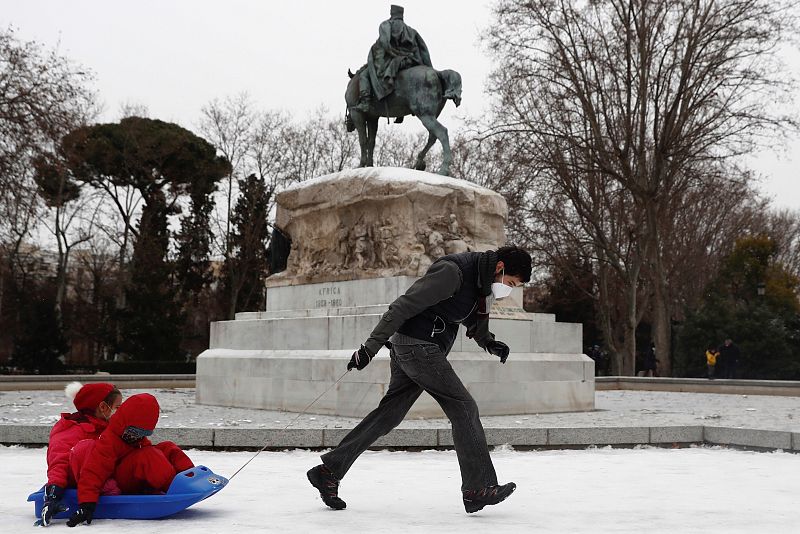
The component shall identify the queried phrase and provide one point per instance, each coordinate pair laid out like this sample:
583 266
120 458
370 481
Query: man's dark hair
517 262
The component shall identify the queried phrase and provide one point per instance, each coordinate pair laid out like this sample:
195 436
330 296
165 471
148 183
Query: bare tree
127 201
64 199
42 96
267 158
783 226
133 109
94 298
647 93
396 148
19 214
228 125
339 149
571 210
41 93
496 163
704 224
308 148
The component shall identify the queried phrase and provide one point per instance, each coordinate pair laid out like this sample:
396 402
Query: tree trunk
61 285
233 297
2 284
61 268
661 319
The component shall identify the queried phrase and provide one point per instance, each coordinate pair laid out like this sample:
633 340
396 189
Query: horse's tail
348 120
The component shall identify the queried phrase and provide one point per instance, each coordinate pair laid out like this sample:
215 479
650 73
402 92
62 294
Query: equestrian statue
399 80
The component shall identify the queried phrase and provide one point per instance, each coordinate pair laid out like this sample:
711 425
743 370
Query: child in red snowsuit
95 403
124 453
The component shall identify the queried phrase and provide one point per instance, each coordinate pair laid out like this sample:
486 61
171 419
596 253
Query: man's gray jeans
418 368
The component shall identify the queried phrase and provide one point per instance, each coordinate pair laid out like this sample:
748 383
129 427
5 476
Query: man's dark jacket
452 292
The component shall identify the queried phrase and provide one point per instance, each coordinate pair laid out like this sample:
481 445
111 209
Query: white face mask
111 411
499 289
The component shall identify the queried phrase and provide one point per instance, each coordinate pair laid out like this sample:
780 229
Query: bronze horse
420 91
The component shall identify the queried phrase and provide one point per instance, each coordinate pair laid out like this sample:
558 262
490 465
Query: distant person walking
729 358
649 361
597 355
711 361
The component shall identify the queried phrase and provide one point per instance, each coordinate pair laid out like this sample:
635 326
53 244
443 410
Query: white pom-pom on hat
72 389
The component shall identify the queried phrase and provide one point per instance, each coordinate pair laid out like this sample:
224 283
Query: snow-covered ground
568 491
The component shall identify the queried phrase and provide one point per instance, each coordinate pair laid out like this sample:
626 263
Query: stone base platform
290 380
288 355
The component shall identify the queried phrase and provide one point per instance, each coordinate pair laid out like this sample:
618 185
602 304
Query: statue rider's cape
387 54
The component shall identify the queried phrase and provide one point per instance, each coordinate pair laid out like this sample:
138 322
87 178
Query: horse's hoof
420 166
444 171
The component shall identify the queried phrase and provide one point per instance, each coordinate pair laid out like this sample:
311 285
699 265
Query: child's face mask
134 434
106 410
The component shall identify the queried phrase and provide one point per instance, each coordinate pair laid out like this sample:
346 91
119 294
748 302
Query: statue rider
398 47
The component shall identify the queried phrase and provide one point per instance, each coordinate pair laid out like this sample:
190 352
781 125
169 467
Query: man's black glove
360 359
83 514
499 349
52 504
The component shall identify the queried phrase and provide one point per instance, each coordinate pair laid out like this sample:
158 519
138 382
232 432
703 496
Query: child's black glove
83 514
52 504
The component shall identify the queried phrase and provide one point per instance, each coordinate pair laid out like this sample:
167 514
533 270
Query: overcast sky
174 56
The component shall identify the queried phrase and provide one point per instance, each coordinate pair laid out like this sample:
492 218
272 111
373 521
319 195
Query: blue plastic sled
188 488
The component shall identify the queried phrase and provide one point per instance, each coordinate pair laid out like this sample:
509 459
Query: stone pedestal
350 259
378 222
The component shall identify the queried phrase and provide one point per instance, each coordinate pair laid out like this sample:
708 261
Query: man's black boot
475 500
328 486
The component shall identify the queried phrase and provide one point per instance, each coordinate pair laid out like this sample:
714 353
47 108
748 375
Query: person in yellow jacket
711 361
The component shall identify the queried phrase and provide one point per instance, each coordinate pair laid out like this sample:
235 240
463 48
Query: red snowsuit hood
139 410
